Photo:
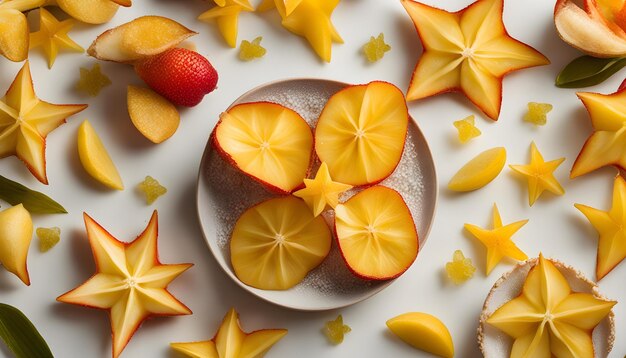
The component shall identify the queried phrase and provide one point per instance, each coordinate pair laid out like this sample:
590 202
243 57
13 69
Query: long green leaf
587 71
34 201
20 335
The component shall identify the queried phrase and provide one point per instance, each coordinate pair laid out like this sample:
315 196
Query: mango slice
89 11
424 332
95 159
16 232
154 116
479 171
13 34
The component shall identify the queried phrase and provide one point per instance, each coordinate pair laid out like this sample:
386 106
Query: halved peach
277 242
269 142
153 116
89 11
376 234
361 132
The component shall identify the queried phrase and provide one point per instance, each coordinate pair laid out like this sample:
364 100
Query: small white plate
224 193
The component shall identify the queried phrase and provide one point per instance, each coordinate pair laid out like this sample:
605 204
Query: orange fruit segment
276 243
376 234
154 116
268 142
361 132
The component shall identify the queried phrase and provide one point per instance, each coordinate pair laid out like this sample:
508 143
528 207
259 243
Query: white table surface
556 228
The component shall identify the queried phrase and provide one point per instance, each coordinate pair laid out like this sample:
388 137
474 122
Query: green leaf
587 71
19 334
34 201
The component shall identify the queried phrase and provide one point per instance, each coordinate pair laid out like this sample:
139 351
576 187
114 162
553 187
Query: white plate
224 193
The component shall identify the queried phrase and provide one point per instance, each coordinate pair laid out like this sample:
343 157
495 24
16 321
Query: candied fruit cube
375 48
537 113
466 128
48 237
335 330
460 269
250 50
152 189
92 81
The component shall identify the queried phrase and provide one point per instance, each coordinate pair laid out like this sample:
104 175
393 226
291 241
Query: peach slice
16 232
269 142
361 132
376 234
95 159
153 116
13 35
277 242
141 38
479 171
89 11
424 332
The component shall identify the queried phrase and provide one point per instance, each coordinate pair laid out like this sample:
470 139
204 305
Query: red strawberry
182 76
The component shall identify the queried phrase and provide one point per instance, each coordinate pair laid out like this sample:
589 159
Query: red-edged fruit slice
376 234
276 243
268 142
361 132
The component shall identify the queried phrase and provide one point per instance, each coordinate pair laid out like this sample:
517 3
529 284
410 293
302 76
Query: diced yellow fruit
267 141
92 81
537 113
276 243
424 332
375 49
361 132
95 159
467 129
13 35
154 116
479 171
48 237
376 234
335 330
89 11
152 189
460 269
16 232
250 50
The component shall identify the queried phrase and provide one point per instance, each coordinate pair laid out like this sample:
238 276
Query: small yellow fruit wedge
95 159
154 116
89 11
16 232
424 332
13 35
479 171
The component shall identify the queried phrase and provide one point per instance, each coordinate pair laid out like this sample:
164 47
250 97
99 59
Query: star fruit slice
424 332
154 116
141 38
89 11
277 242
16 232
376 234
226 16
268 142
95 159
361 132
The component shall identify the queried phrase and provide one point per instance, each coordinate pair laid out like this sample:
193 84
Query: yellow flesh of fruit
466 128
154 116
460 269
95 159
376 233
13 35
479 171
48 237
361 131
335 330
16 232
267 141
537 113
276 243
375 48
250 50
89 11
92 81
423 331
152 189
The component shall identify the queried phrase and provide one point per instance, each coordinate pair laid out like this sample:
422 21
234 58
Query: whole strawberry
180 75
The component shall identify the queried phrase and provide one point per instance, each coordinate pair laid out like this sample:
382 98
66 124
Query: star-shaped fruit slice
92 81
611 227
226 16
25 121
607 144
540 175
498 240
550 319
336 330
52 36
231 341
321 192
130 281
468 51
14 28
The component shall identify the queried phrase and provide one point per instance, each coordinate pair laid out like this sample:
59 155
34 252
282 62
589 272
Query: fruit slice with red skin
180 75
269 142
89 11
14 36
376 234
361 132
277 242
138 39
16 232
153 116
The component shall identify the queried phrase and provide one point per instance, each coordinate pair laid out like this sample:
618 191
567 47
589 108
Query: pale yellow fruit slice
276 243
13 35
361 131
479 171
423 331
95 159
154 116
89 11
16 232
376 234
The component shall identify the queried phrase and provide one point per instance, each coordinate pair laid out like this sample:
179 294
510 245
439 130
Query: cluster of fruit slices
359 140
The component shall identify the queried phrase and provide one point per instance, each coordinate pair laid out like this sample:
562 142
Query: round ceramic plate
224 193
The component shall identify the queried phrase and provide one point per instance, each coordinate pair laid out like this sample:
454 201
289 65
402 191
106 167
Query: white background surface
556 228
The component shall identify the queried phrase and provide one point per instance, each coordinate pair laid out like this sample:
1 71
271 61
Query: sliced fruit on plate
95 158
16 232
322 192
153 116
89 11
277 242
424 332
141 38
361 132
479 171
376 234
269 142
